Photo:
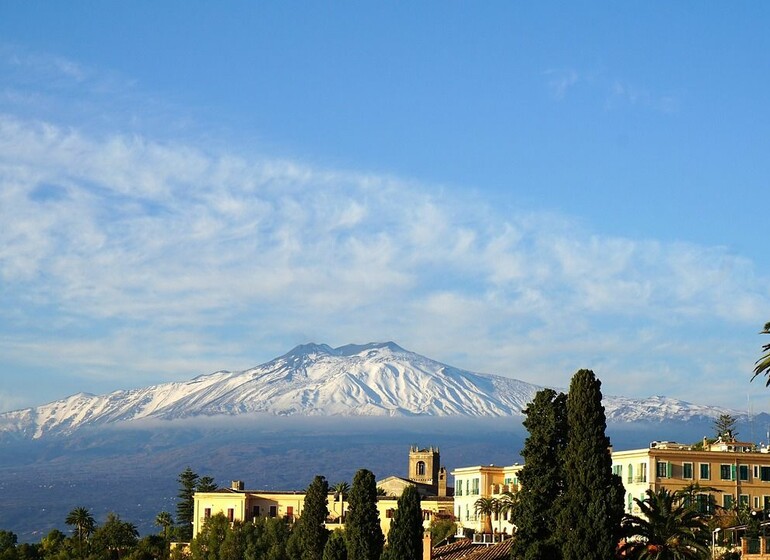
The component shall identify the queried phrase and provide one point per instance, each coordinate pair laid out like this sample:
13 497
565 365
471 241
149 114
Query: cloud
561 81
122 254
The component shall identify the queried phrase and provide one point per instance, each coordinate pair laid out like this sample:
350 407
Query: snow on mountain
377 379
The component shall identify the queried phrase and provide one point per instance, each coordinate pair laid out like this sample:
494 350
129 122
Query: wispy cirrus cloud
122 254
560 81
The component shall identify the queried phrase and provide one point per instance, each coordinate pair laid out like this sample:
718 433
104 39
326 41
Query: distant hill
377 379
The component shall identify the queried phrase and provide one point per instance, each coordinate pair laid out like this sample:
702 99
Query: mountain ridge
374 379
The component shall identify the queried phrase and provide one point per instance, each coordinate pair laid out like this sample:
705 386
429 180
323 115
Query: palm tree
341 490
83 522
486 507
507 501
165 520
763 363
665 530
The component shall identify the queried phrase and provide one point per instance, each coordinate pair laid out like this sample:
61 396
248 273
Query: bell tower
424 465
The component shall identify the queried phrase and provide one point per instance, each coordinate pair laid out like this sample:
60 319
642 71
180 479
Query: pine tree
406 532
363 534
592 503
185 507
542 478
312 534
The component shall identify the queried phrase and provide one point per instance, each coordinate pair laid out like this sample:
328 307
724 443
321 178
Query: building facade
725 473
473 483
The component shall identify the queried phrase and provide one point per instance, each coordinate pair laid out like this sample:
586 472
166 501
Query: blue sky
520 189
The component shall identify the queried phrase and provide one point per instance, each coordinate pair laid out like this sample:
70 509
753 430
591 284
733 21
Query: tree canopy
542 478
592 503
406 532
363 534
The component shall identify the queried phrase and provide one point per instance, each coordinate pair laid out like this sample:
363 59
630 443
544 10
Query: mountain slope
353 380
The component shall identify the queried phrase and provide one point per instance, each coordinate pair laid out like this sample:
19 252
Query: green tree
8 540
185 506
206 484
542 478
406 532
165 521
208 543
591 507
485 507
724 426
763 363
116 537
310 528
335 548
363 534
440 530
665 530
151 547
53 544
83 525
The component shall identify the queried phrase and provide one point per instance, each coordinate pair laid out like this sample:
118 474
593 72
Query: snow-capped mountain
378 379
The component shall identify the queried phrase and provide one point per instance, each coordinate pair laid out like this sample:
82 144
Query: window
273 511
207 513
255 511
389 513
661 469
766 502
725 472
756 502
764 474
686 470
642 476
468 487
420 468
704 503
743 500
617 470
459 490
727 501
467 513
630 505
756 471
743 472
704 471
475 486
230 514
290 513
630 474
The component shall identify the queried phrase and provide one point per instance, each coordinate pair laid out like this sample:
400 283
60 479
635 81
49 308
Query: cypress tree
542 478
312 533
186 505
592 504
363 534
406 532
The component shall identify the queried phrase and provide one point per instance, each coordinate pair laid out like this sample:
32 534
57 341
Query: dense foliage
363 533
311 533
591 507
541 478
665 530
405 535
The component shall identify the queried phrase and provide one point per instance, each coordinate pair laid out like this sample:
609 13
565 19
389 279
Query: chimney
426 549
237 485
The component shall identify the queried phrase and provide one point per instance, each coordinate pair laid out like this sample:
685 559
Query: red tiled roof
464 549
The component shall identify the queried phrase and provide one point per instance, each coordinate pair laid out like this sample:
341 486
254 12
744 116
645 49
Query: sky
524 189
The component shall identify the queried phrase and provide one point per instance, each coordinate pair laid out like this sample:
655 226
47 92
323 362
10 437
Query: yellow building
472 483
737 471
235 503
238 504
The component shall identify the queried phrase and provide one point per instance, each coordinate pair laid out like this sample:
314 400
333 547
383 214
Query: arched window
420 468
